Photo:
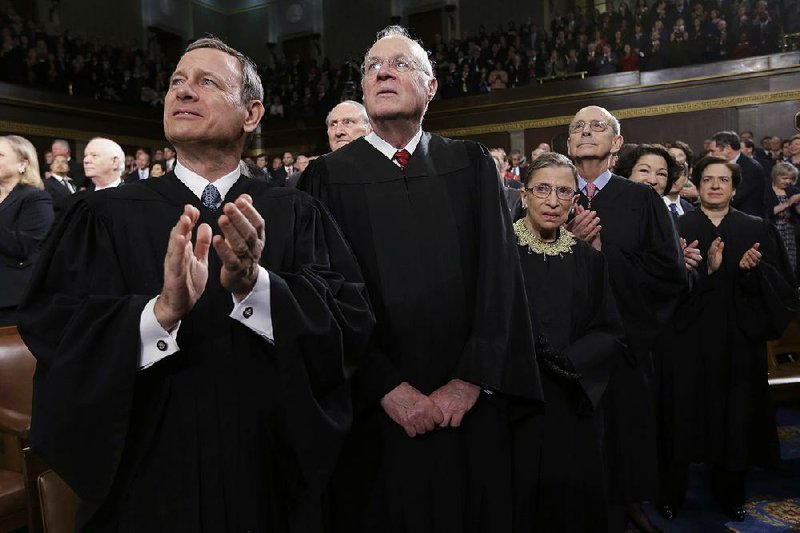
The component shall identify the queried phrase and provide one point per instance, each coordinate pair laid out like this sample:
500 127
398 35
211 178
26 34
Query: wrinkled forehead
344 111
209 60
395 46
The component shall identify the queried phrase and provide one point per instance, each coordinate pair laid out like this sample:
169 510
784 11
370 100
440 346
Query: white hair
362 111
114 150
417 50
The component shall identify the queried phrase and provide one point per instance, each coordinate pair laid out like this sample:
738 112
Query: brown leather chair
53 505
16 397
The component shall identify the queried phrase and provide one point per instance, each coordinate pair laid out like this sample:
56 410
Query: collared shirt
388 150
254 310
677 203
599 182
735 159
144 173
65 181
114 183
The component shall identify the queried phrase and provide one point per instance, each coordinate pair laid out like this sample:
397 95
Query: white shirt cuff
254 311
156 342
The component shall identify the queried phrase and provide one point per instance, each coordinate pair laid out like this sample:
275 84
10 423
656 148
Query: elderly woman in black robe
716 401
560 486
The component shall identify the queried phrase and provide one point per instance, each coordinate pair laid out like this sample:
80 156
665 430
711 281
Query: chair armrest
15 423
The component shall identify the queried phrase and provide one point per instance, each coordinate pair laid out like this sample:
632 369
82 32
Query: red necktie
402 157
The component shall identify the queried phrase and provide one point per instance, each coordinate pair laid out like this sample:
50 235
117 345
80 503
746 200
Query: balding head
346 122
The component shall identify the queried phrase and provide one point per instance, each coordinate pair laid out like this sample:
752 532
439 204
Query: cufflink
162 346
248 312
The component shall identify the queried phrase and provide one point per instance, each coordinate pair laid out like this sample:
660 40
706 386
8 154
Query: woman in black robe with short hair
715 395
560 483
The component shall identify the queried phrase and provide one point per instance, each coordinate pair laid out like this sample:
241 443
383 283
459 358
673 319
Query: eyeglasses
543 190
594 125
373 65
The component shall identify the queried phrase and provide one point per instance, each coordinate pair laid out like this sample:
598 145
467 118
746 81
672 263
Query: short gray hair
416 47
782 168
252 89
550 160
362 111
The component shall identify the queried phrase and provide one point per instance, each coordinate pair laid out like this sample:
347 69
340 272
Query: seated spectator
607 63
276 109
554 66
498 78
629 61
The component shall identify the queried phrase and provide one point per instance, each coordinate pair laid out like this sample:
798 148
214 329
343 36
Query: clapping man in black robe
427 220
630 224
190 382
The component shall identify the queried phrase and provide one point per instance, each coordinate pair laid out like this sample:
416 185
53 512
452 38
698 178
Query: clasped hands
586 226
186 263
417 413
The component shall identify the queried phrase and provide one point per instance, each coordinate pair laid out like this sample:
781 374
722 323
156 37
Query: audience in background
621 39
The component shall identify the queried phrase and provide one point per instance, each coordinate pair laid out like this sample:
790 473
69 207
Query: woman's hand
715 255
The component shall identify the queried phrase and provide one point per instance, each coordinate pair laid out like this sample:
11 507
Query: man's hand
691 254
586 226
411 409
185 269
240 245
454 400
751 257
715 255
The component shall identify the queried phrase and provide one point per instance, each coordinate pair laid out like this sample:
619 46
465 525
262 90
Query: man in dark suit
750 192
104 162
142 170
678 206
59 185
169 158
61 147
281 174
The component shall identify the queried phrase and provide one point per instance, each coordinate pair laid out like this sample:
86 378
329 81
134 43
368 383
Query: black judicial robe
647 277
558 466
716 396
438 255
231 433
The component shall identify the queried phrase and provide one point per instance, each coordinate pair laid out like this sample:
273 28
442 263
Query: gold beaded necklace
560 246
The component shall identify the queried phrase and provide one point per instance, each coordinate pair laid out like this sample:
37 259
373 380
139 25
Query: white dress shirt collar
113 184
387 149
677 203
599 182
197 183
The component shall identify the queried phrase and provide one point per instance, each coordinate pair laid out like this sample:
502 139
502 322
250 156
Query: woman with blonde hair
26 212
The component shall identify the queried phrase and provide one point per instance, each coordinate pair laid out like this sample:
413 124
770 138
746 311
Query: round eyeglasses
373 65
543 190
594 125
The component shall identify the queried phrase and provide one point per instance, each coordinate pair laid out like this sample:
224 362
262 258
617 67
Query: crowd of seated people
628 37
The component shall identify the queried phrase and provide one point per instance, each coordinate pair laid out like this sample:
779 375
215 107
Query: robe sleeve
766 297
83 328
322 322
654 275
499 353
595 352
377 375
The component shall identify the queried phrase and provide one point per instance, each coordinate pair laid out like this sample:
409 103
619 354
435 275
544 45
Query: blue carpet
773 497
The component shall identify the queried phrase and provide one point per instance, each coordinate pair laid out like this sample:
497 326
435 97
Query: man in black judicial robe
429 451
647 275
204 391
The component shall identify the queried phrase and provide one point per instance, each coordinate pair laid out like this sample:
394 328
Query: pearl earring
21 169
